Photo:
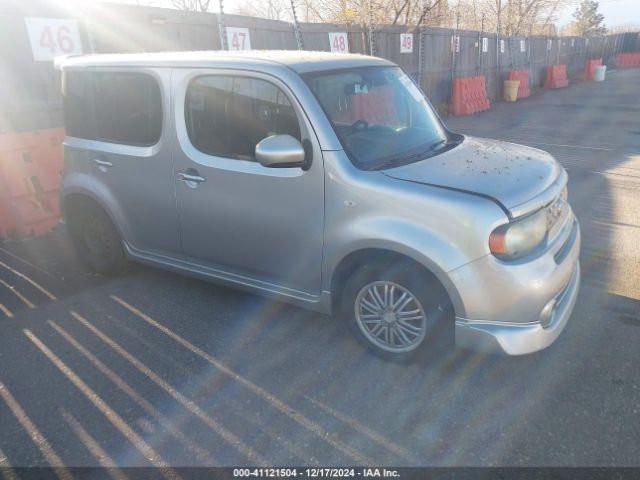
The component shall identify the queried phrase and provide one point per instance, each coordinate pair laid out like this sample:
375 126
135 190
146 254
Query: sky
616 12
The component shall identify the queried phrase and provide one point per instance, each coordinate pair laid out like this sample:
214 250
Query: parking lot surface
152 368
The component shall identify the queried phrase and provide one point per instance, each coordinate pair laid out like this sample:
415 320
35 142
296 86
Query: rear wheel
398 312
96 239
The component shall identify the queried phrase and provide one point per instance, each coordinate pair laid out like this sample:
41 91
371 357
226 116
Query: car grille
555 210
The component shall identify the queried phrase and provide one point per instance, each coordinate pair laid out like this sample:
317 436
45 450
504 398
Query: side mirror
281 151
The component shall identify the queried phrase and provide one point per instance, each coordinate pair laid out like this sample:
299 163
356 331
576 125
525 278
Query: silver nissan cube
323 180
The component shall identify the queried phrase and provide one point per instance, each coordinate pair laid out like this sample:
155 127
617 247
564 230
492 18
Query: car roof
300 61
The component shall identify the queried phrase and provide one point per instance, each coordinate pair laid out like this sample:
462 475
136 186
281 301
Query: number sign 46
51 37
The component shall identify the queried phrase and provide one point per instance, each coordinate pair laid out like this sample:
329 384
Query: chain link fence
30 98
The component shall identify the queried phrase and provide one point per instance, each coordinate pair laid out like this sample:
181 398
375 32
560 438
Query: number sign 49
406 43
51 37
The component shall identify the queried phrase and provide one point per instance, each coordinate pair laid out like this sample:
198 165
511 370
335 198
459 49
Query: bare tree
395 12
311 13
192 5
271 9
428 7
513 17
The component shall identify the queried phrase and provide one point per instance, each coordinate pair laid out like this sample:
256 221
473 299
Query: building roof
300 61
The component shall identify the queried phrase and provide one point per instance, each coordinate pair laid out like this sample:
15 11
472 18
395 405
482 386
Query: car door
130 156
260 224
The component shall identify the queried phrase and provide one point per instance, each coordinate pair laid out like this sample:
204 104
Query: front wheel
397 312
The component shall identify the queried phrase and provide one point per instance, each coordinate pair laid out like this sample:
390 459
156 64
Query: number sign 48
339 42
51 37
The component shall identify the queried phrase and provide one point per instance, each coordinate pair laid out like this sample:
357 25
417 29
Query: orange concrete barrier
469 96
30 171
556 77
628 60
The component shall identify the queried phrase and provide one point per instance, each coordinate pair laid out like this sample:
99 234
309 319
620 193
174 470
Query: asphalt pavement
153 368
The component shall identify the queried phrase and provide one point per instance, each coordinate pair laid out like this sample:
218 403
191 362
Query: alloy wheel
390 316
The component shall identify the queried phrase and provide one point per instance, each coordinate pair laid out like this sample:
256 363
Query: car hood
508 173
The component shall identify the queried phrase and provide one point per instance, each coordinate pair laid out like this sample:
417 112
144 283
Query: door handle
103 165
191 177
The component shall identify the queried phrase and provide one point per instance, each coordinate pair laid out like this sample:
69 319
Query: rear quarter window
76 94
115 107
128 108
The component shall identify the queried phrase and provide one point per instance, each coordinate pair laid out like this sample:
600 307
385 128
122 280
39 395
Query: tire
412 339
96 239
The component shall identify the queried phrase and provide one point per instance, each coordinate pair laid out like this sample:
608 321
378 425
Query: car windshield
381 117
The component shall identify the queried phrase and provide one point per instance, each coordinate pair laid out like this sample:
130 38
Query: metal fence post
420 56
221 28
296 27
498 57
455 44
91 40
529 45
612 49
372 42
548 50
479 52
587 48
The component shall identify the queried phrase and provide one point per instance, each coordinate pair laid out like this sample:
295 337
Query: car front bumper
515 338
518 308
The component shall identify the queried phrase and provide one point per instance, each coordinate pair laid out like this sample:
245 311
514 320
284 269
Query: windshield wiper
404 159
436 146
395 161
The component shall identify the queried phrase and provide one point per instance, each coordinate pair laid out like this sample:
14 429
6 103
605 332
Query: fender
422 246
77 183
437 228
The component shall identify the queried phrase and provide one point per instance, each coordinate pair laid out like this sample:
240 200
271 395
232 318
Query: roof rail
57 61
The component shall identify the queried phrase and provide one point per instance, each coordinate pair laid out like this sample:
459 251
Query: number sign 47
238 38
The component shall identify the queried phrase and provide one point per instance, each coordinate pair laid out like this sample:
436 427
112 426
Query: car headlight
520 237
